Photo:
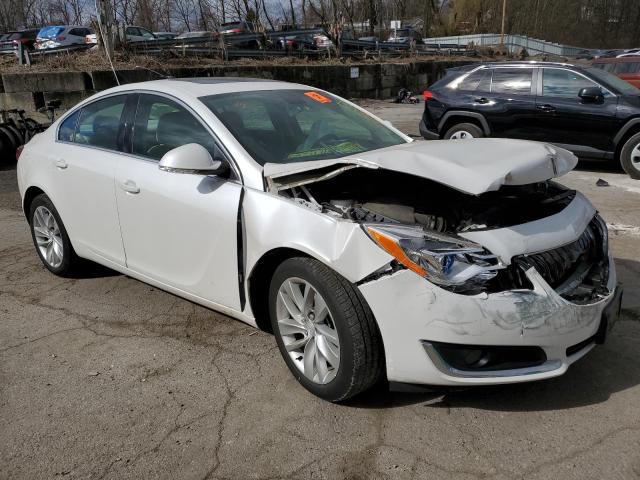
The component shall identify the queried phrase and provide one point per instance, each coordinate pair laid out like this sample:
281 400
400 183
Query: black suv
583 109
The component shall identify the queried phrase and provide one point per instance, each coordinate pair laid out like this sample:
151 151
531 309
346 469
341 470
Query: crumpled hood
471 166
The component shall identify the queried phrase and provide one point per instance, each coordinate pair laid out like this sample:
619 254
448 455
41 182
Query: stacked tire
10 139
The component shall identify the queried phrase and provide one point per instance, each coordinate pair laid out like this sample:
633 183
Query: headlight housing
450 262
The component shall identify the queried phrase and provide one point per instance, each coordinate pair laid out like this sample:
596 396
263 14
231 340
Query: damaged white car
370 257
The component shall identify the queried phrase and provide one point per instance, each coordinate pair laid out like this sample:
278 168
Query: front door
585 127
179 229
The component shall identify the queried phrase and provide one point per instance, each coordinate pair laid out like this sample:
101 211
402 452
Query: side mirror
192 158
590 94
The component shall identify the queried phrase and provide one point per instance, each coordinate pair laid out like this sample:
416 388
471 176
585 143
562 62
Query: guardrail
512 42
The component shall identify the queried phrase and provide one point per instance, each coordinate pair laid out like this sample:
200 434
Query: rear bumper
426 133
412 314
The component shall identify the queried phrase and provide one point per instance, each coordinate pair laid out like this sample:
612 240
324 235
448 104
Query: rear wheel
50 237
325 331
630 156
463 131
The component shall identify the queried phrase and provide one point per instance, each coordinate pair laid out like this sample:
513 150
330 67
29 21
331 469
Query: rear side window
68 127
99 123
50 32
479 80
512 80
621 68
563 83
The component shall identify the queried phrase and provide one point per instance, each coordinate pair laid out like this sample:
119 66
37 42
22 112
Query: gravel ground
106 377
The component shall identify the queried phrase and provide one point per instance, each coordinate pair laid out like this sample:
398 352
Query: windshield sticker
317 97
345 148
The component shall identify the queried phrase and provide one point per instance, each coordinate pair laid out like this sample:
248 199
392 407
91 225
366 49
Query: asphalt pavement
102 376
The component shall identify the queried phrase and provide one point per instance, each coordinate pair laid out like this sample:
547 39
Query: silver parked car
62 36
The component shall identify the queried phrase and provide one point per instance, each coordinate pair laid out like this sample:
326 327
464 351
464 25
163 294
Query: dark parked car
10 40
236 28
306 41
405 35
583 109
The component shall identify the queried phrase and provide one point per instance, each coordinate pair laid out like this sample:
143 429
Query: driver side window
563 83
162 125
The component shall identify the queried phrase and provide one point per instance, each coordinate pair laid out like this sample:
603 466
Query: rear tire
360 353
630 156
463 131
50 237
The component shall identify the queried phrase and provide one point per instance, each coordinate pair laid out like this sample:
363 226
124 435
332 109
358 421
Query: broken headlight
450 262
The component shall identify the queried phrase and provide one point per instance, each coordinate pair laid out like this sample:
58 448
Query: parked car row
586 110
591 54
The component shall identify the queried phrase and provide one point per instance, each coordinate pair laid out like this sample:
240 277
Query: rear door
83 161
586 128
507 102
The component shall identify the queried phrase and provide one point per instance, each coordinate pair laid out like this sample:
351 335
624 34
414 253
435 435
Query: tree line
587 23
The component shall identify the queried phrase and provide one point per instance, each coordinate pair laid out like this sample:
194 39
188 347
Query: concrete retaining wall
30 91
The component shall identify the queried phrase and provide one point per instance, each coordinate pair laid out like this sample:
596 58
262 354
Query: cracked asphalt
104 377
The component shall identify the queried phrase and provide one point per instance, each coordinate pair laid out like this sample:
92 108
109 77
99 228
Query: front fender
273 222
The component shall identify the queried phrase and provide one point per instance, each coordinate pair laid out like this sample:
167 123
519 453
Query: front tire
463 131
50 237
325 331
630 156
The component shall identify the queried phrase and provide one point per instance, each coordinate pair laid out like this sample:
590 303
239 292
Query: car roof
204 86
529 63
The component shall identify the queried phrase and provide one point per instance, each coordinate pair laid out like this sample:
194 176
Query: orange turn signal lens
392 248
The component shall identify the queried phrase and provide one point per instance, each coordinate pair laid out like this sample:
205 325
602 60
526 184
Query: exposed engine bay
420 222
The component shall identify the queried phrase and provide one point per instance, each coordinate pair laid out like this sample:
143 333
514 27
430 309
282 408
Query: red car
11 40
627 68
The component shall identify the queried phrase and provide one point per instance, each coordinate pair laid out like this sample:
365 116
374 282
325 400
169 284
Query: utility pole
106 26
504 9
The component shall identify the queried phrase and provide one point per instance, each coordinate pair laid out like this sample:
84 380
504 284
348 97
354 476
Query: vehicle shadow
606 370
604 166
89 269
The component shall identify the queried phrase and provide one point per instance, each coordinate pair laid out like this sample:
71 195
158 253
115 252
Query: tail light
317 40
427 95
19 152
235 30
60 38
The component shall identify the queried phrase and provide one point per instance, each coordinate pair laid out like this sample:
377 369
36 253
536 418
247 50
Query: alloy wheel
48 236
307 330
461 135
635 157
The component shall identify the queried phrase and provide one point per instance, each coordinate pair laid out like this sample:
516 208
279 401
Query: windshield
50 32
285 126
611 80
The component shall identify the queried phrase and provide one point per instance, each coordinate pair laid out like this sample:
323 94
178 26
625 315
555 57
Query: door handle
130 186
61 163
546 108
481 100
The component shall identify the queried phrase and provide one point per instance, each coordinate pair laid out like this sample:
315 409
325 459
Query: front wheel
630 156
325 331
463 131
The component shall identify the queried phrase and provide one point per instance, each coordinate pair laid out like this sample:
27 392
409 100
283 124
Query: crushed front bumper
413 314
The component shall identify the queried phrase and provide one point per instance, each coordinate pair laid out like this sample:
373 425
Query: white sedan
370 257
